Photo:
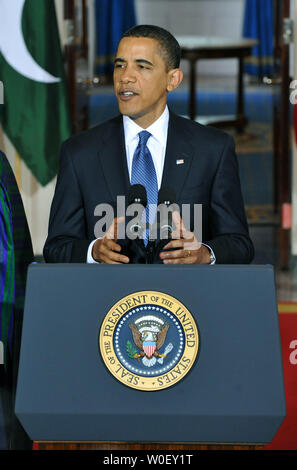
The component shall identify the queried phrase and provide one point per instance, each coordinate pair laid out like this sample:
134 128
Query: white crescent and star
12 44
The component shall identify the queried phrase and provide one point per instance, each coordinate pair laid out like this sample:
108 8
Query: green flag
35 115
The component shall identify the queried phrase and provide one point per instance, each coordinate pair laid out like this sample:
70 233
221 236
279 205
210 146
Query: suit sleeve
230 239
67 236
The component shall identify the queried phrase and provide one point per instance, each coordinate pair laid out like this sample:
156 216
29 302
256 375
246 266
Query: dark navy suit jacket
93 170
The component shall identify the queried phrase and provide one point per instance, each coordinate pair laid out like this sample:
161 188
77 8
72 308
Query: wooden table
194 48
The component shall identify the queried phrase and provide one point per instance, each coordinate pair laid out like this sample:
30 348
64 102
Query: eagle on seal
149 342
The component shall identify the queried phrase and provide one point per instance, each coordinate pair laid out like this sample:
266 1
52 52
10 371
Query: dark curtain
113 18
259 24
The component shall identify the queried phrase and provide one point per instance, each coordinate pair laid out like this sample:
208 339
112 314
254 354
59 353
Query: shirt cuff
213 258
90 258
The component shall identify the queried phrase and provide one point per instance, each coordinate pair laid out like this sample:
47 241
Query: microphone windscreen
166 196
137 195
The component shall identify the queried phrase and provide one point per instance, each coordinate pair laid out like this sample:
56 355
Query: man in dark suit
100 164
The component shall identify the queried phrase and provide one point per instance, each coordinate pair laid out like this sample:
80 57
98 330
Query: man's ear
175 77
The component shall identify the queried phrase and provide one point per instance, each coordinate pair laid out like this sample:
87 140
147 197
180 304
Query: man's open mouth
127 94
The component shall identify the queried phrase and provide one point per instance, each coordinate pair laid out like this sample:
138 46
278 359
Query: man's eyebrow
118 59
138 61
144 61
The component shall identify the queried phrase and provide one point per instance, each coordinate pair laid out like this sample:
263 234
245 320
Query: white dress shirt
156 145
156 142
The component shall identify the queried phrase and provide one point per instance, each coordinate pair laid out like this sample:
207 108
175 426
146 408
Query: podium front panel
233 393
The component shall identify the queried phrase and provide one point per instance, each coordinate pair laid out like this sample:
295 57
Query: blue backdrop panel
113 18
259 24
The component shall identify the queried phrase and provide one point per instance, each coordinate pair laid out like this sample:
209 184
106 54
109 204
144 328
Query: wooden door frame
75 48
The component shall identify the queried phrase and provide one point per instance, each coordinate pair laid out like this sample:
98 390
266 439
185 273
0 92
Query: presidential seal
149 340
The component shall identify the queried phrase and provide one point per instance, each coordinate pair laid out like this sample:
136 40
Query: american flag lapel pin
180 161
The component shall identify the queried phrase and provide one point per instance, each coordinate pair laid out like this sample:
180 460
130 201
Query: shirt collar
158 129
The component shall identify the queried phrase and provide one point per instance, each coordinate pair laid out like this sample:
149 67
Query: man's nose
127 75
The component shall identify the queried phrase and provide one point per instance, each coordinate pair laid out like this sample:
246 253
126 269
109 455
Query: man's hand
187 250
106 250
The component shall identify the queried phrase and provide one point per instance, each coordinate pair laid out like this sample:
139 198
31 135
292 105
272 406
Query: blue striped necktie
143 172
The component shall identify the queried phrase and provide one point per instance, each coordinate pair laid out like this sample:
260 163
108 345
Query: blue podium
233 392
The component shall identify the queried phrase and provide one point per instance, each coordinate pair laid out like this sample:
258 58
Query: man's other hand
106 250
186 249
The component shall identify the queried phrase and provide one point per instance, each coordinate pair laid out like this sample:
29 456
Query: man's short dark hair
169 47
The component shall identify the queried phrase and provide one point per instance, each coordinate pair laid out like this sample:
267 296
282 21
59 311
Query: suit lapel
114 161
178 157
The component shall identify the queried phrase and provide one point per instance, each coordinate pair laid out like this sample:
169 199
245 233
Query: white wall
197 17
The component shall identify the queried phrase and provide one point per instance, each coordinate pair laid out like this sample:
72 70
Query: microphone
166 198
137 195
137 202
164 223
133 245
